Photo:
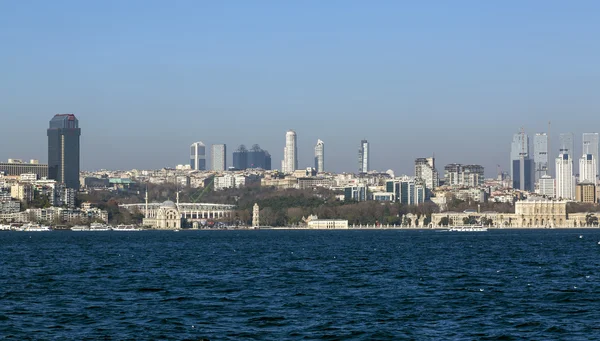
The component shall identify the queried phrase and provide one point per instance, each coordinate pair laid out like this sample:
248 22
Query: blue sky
148 78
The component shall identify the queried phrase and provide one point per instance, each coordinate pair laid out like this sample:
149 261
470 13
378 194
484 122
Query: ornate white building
528 214
170 215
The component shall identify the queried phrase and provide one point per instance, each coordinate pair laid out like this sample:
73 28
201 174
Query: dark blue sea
300 285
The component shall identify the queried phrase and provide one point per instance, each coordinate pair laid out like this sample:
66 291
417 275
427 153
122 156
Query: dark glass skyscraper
63 150
256 157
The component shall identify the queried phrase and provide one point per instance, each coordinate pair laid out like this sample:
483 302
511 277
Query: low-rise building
313 222
10 206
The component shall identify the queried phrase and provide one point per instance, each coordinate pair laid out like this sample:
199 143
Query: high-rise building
587 169
540 155
463 175
63 150
523 178
363 157
565 181
425 170
521 166
240 158
320 156
565 144
290 153
518 148
256 157
590 145
218 157
198 156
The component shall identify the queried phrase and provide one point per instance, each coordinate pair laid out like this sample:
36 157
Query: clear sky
148 78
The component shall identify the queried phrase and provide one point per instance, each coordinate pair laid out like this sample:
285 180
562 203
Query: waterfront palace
170 215
528 213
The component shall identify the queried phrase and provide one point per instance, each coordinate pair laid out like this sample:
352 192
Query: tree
486 221
591 220
470 220
445 221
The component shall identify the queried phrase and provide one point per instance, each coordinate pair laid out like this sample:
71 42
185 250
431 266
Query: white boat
80 228
4 227
98 227
125 228
35 228
468 229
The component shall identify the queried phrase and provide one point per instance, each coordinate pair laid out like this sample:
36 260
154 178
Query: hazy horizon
148 78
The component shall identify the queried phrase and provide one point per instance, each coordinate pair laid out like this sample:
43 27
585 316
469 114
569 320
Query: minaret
178 198
255 216
146 208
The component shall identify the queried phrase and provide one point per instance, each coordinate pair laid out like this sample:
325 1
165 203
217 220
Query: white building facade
565 181
587 169
546 186
590 146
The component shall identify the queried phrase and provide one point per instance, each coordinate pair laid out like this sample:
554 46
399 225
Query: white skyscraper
320 156
363 157
218 157
590 145
290 153
587 168
198 156
540 155
565 181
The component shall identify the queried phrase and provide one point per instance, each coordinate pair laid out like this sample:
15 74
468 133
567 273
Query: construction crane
197 198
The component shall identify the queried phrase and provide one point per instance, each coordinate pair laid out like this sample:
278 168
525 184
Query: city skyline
492 171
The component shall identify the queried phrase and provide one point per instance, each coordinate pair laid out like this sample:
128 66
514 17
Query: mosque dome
168 204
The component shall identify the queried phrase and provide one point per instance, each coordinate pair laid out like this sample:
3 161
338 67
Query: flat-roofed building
18 167
313 222
585 192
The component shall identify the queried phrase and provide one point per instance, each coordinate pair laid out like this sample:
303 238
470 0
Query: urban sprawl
539 191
